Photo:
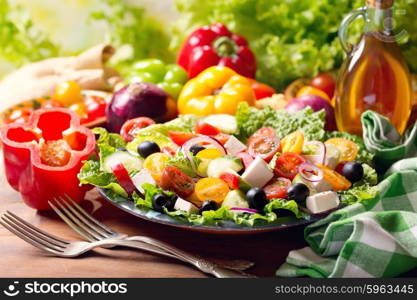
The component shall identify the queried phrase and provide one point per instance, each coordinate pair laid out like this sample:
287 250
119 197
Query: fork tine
90 217
52 238
28 237
92 226
72 221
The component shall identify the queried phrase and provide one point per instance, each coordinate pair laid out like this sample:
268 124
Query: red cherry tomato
123 178
261 90
202 127
222 138
96 107
168 151
174 180
131 127
246 158
264 147
287 164
231 179
264 131
339 167
278 188
324 82
180 138
19 115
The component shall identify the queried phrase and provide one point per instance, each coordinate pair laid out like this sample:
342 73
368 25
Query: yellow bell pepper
216 90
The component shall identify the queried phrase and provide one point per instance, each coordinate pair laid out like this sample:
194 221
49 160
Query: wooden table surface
19 259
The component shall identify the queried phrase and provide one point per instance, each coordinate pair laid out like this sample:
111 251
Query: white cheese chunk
234 146
322 202
186 206
332 156
142 177
258 173
321 186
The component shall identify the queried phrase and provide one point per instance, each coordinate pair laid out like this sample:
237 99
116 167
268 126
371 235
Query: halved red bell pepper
215 45
43 156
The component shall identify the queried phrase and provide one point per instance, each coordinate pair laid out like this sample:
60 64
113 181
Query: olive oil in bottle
375 75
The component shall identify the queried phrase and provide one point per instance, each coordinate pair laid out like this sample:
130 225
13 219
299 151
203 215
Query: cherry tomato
202 127
213 189
348 149
51 104
174 180
131 127
19 115
339 167
264 146
277 189
96 107
80 109
54 153
324 82
338 181
180 138
246 158
68 92
287 164
309 90
293 142
261 90
222 138
168 151
264 131
155 164
231 179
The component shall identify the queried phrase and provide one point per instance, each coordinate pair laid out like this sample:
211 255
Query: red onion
205 141
320 156
246 210
310 172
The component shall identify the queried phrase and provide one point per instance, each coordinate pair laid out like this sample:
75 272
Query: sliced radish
310 172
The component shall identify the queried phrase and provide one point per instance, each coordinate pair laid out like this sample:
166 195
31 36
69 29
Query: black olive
353 171
194 149
160 201
121 149
298 192
208 205
256 198
147 148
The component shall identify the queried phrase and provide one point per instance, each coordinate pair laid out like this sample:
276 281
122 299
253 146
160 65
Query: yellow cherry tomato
293 143
209 153
155 164
338 181
348 149
309 90
211 189
68 93
80 109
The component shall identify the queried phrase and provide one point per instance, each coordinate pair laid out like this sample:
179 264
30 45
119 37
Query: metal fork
63 248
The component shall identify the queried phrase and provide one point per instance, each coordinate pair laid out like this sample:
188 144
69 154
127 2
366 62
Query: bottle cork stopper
380 4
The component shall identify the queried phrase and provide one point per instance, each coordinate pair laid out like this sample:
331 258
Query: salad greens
182 163
292 38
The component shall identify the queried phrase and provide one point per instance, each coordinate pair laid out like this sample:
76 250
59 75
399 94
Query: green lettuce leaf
150 191
107 143
289 205
181 162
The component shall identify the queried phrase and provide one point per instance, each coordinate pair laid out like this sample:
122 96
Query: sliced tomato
264 146
338 181
155 164
213 189
222 138
51 104
168 151
287 164
123 178
246 158
264 131
174 180
131 127
96 107
293 142
202 127
55 153
231 179
348 149
19 115
180 138
277 188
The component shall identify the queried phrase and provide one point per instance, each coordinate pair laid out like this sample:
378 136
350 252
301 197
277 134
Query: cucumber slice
202 167
235 198
224 123
130 162
224 164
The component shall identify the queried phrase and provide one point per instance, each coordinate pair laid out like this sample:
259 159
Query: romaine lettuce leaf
181 162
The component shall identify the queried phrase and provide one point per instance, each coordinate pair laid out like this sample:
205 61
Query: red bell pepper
43 156
216 45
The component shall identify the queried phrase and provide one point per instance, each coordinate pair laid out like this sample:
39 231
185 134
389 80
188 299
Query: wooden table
19 259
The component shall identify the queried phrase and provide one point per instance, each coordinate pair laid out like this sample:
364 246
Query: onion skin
316 103
136 100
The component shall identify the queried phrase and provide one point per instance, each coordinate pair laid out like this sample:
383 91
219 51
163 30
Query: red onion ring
205 141
318 157
310 172
246 210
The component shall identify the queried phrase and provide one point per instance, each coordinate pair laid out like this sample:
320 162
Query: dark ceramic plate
224 227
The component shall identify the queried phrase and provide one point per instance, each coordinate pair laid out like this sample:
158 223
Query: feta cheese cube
258 173
322 202
186 206
142 177
234 146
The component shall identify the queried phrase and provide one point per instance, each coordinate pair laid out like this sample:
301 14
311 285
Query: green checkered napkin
375 238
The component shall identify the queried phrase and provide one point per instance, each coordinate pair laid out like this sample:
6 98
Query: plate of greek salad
258 170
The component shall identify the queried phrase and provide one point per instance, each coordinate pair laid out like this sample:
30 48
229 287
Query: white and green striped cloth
376 238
